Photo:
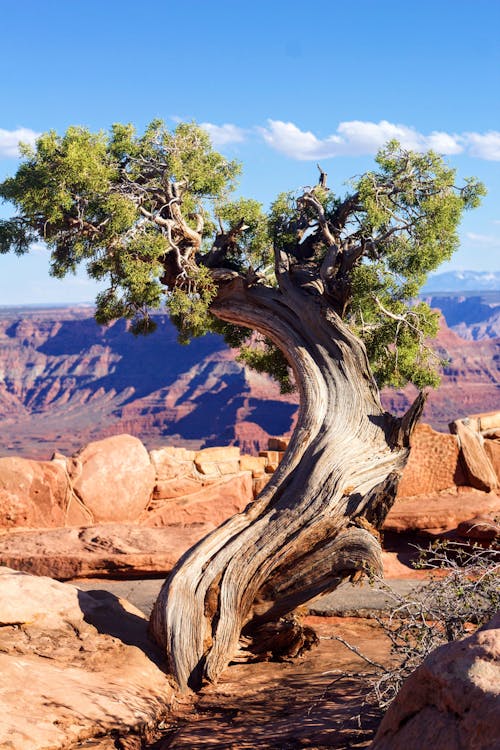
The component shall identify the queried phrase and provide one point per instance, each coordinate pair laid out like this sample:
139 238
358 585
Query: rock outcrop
112 509
452 701
450 481
434 463
441 513
470 433
117 511
75 665
102 550
37 494
113 478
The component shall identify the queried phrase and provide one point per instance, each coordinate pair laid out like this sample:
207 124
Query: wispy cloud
484 145
486 240
353 138
362 138
10 139
224 134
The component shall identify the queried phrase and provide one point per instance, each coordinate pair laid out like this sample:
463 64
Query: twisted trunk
315 522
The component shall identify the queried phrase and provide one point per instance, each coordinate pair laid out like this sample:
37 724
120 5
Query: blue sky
279 85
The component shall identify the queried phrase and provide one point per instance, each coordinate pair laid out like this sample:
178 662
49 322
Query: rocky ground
78 669
318 702
83 666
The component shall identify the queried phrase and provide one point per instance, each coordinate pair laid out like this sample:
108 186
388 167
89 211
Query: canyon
64 381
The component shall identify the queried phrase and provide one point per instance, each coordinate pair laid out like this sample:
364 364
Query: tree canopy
154 215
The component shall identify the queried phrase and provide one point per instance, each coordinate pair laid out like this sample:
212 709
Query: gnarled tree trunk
315 522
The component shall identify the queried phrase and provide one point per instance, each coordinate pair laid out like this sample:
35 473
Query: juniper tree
330 283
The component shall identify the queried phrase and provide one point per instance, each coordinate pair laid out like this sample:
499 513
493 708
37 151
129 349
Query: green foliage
151 214
413 205
190 310
14 235
252 247
395 330
88 197
266 357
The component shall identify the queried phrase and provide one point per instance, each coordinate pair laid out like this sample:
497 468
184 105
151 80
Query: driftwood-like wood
315 522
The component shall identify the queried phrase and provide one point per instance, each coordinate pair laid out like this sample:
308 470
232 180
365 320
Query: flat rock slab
440 512
120 550
75 665
116 550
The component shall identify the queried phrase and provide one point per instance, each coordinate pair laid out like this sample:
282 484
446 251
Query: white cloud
484 145
10 139
444 143
223 134
359 137
484 240
287 138
353 138
363 138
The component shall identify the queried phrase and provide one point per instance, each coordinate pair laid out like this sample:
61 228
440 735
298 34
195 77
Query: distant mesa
65 381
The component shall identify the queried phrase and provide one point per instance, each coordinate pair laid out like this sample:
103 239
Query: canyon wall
65 381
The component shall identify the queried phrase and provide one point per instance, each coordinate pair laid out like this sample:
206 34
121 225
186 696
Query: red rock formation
113 478
37 494
440 513
433 465
478 468
210 502
113 550
163 503
65 381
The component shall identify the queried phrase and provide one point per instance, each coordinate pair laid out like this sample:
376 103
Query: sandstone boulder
492 448
452 701
255 464
37 494
272 459
114 478
170 463
278 443
193 501
75 665
486 421
218 461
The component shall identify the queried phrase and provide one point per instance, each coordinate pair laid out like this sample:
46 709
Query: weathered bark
315 522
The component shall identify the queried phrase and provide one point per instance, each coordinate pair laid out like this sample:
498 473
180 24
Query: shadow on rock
116 617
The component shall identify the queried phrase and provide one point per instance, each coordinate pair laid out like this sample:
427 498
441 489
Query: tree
330 284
